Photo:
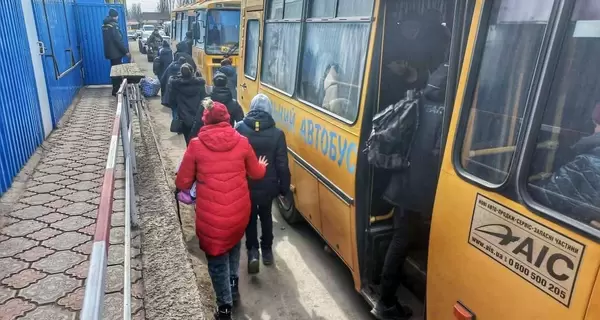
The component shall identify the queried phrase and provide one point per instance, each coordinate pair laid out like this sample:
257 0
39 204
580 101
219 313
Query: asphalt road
306 281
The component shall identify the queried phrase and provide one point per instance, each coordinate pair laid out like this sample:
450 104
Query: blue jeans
174 113
222 269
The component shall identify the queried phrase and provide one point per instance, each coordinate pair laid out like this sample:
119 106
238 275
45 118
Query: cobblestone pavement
46 238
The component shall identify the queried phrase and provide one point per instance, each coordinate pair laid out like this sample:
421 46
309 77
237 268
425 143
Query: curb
169 279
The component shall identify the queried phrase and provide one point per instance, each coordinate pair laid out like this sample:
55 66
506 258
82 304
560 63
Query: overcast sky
147 5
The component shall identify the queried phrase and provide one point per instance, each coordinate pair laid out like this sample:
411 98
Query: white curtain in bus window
280 55
565 170
251 56
354 8
275 9
322 9
514 37
292 9
333 62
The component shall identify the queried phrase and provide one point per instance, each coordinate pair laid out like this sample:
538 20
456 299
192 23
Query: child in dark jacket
269 141
187 93
219 160
223 95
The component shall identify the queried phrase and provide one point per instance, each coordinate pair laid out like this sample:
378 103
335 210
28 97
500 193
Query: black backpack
393 133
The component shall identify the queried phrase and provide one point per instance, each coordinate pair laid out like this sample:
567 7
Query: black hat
113 13
220 80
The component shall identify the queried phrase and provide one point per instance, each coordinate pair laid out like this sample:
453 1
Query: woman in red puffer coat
219 160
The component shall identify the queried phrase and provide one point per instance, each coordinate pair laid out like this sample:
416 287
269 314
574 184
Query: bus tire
287 208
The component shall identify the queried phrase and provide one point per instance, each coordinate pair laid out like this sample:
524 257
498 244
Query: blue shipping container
56 23
96 67
21 130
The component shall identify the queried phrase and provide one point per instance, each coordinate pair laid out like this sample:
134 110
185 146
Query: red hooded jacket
220 160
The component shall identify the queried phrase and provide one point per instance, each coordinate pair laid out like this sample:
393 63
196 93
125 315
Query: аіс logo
538 254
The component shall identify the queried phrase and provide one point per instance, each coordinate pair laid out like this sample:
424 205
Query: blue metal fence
56 23
96 67
21 129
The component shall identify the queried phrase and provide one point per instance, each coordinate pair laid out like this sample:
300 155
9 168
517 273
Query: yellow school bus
183 20
216 34
515 229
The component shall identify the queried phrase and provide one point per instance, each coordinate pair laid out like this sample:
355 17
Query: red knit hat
596 114
214 112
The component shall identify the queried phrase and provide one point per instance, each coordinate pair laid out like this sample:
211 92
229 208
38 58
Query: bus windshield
222 31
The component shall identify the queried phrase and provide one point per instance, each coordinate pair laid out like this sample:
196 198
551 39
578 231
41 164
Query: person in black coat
269 141
221 94
412 191
228 70
114 47
187 93
183 47
165 58
189 42
574 189
173 70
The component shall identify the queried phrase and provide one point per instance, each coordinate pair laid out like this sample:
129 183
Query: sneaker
235 289
253 261
267 256
395 312
223 313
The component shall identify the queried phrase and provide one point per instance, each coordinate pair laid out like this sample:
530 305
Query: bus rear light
462 313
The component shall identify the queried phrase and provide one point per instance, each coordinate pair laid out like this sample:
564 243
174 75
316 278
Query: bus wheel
287 208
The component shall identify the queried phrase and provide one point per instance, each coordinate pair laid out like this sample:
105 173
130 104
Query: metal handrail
93 302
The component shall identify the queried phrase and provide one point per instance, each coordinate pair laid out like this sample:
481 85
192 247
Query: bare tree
165 5
184 2
135 12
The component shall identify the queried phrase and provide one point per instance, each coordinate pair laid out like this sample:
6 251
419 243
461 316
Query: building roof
155 16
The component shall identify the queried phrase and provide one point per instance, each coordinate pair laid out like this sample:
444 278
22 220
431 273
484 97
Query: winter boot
395 312
253 261
235 289
223 313
267 256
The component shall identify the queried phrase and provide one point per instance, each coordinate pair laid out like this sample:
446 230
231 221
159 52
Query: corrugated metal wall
21 129
96 68
57 28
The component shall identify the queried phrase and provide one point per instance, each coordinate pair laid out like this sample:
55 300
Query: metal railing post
127 236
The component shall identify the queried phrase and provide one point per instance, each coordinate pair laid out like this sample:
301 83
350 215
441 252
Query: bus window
355 8
565 171
331 75
515 31
252 42
293 9
322 9
222 31
201 19
280 49
275 9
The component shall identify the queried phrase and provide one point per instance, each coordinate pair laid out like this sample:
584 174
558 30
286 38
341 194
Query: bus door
516 220
248 78
419 39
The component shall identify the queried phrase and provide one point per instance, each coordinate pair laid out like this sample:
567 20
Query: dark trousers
116 81
187 134
405 224
262 211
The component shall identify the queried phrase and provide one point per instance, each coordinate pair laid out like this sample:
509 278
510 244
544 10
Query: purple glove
185 197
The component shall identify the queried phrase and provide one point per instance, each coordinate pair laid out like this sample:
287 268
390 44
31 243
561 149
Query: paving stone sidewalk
46 236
